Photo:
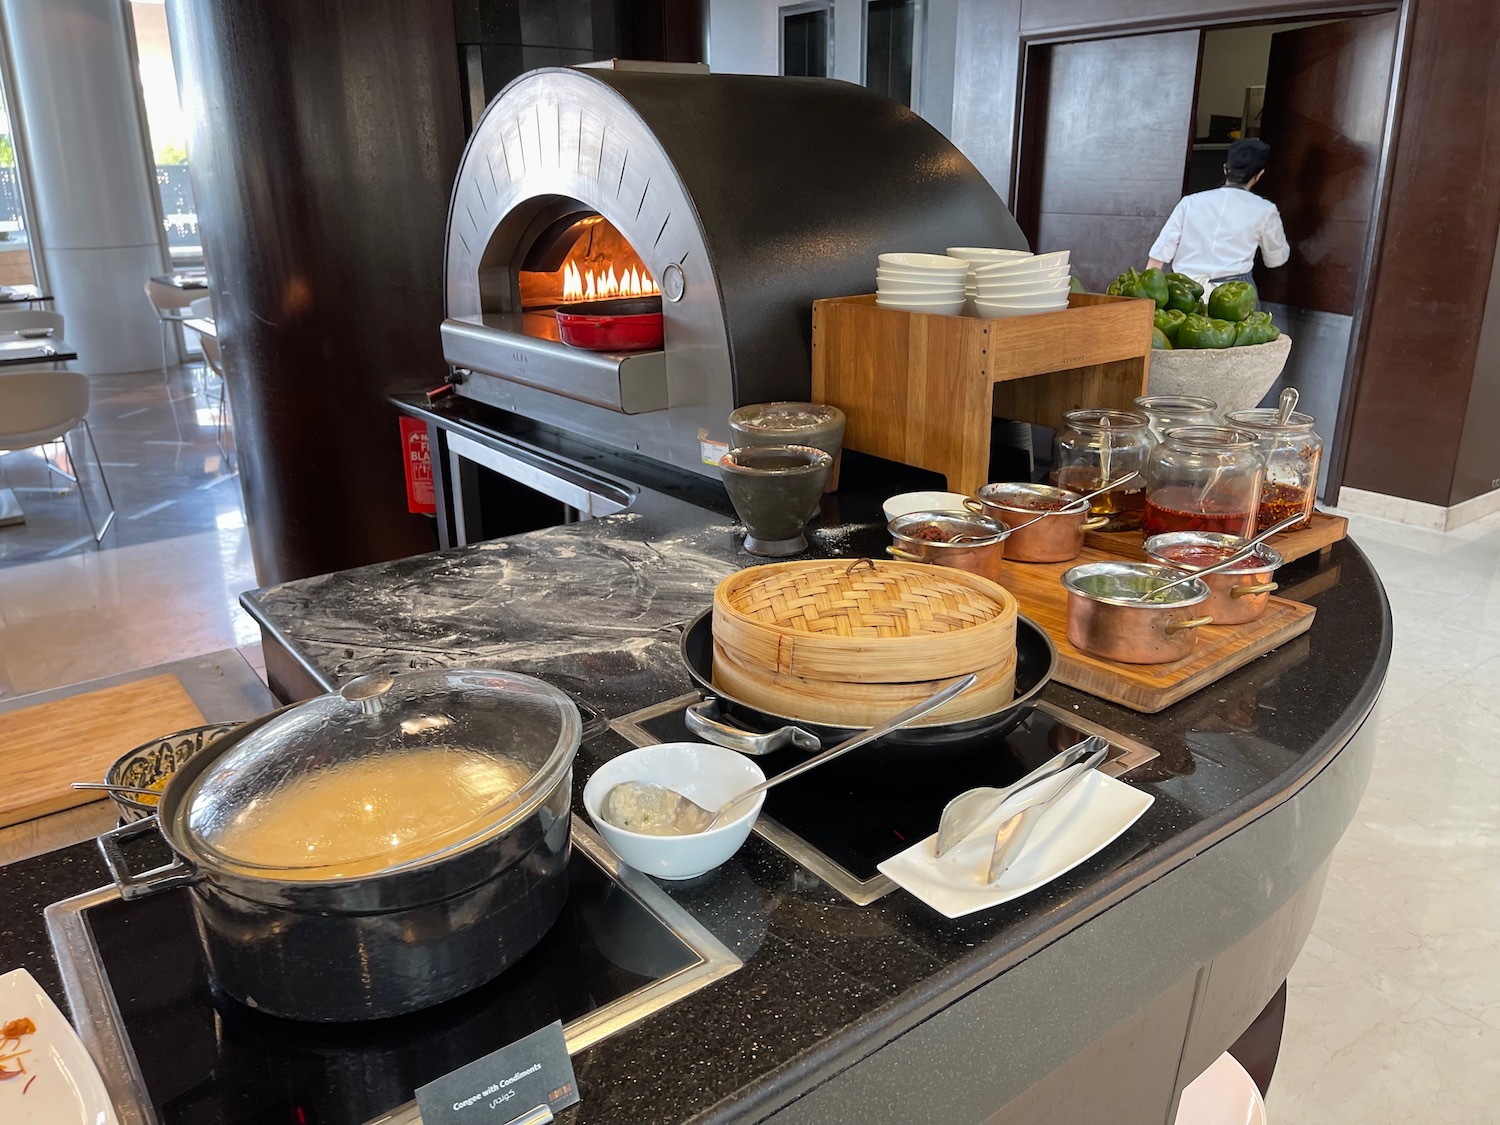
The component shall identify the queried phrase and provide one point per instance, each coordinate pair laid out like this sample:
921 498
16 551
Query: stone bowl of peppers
1222 346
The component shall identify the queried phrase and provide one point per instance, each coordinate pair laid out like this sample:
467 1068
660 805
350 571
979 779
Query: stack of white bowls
1014 283
924 283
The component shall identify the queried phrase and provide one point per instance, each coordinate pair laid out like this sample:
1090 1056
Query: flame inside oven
600 263
586 286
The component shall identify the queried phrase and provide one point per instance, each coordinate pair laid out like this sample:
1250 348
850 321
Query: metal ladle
687 818
1240 555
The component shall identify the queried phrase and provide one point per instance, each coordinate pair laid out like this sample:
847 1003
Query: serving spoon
1240 555
686 817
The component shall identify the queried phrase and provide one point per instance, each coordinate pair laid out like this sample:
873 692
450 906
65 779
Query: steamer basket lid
389 772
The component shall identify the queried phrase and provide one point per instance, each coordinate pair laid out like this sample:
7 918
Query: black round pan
1035 658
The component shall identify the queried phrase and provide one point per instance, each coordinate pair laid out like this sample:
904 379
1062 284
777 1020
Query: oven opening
581 259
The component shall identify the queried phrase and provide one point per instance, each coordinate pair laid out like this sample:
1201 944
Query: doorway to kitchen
1099 174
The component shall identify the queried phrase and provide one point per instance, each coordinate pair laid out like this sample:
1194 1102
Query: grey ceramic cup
792 423
773 488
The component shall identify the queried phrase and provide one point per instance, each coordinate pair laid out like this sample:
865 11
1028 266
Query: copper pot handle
1251 591
974 504
904 556
1190 623
1094 524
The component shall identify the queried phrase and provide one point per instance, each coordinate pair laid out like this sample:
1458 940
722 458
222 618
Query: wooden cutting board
45 748
1321 532
1146 687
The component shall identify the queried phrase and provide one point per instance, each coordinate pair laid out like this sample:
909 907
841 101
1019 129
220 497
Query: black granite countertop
597 608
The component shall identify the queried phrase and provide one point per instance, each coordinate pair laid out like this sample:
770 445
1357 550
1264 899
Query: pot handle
904 556
178 873
1251 591
703 719
1094 523
1190 623
974 504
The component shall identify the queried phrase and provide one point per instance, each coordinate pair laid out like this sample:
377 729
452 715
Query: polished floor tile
1393 1011
160 446
98 613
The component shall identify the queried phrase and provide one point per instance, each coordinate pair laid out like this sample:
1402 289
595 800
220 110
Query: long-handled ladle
669 809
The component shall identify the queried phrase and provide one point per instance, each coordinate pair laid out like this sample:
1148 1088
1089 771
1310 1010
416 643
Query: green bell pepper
1181 298
1257 328
1206 332
1074 285
1114 286
1234 300
1159 341
1148 285
1168 321
1187 283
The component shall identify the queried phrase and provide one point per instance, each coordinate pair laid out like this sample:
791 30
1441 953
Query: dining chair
171 305
203 309
38 407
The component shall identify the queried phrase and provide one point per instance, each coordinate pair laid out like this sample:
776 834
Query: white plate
1224 1094
1075 827
952 308
65 1088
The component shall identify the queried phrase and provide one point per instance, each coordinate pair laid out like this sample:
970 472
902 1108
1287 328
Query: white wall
743 39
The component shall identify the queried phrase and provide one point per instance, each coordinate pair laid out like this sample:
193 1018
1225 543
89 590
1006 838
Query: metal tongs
1012 835
968 811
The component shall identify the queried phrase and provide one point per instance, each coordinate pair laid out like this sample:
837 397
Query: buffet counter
1097 997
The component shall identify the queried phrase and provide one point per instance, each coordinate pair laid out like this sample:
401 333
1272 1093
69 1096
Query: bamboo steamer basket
855 704
866 622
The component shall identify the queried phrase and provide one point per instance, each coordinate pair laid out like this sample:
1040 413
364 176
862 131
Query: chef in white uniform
1212 236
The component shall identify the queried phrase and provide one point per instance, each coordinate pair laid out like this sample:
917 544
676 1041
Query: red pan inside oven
629 324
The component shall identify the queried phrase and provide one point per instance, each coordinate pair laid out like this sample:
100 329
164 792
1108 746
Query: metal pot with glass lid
374 851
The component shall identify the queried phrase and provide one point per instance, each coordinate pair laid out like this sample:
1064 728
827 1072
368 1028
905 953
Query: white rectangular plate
1075 827
65 1088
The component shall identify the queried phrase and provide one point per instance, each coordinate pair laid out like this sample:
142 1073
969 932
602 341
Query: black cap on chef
1246 157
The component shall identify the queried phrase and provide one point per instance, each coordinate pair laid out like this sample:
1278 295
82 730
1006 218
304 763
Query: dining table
24 347
183 279
22 295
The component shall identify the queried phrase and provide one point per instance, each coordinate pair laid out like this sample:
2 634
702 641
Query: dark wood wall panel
1433 274
1425 403
1324 118
325 138
1100 190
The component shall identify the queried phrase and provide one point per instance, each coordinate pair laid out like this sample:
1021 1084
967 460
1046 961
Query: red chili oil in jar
1205 515
1278 501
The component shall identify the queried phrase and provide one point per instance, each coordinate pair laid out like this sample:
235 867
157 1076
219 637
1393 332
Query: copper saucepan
1107 619
1057 537
1236 596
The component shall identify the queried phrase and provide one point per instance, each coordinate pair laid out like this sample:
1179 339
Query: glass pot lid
388 772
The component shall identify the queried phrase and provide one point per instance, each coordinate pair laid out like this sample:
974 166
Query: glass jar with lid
1204 478
1095 446
1293 454
1166 412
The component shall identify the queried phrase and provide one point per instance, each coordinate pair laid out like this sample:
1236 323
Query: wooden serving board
1321 532
1146 687
48 747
